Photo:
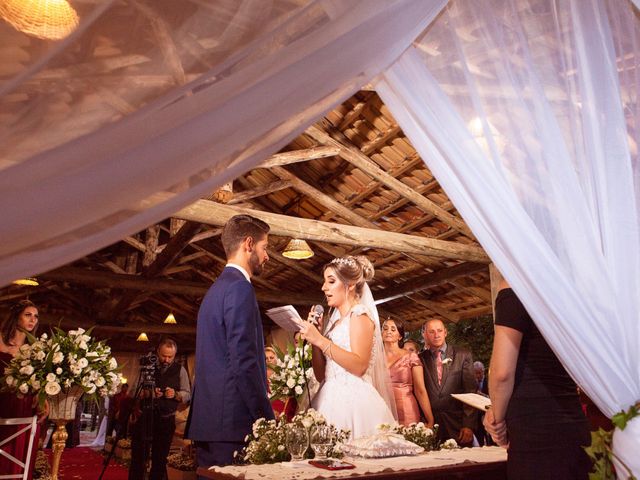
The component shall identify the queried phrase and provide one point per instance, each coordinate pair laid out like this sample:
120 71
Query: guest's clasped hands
497 430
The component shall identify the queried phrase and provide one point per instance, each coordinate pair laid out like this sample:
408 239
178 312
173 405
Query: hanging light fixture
31 281
46 19
170 319
297 249
224 194
142 338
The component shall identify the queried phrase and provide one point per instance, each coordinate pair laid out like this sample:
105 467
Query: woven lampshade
170 319
46 19
142 338
31 281
297 249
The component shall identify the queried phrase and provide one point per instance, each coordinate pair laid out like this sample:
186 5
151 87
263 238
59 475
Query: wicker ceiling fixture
171 319
142 338
298 250
29 281
46 19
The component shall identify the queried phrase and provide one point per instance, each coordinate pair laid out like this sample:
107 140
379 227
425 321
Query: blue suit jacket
230 388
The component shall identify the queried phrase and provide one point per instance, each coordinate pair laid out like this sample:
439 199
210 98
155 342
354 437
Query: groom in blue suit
230 388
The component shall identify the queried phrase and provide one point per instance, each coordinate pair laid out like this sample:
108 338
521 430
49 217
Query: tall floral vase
62 409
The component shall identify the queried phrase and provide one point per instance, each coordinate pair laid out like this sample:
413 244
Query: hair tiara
348 261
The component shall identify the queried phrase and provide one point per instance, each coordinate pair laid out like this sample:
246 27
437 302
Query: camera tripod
144 396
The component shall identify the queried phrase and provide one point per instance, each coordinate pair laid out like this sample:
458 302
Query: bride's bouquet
47 366
291 373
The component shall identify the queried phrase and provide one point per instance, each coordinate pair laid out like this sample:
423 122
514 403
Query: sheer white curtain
107 144
527 114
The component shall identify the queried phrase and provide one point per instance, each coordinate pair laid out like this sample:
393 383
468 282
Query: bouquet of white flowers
292 371
266 442
46 366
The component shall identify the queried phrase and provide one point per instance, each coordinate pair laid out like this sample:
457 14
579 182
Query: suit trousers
216 453
162 436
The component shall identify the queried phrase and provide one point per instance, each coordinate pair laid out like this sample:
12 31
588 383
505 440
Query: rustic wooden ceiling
353 168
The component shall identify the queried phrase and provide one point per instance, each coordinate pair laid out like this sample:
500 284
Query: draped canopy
525 110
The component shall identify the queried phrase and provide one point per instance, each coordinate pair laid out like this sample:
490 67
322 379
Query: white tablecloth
304 471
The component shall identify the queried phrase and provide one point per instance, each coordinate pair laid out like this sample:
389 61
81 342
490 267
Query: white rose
281 448
10 380
291 383
58 371
298 390
25 348
75 370
100 381
44 336
52 388
28 370
92 389
51 377
83 362
83 345
113 364
58 357
40 355
24 388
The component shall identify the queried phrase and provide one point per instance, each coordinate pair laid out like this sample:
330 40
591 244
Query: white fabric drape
527 114
62 201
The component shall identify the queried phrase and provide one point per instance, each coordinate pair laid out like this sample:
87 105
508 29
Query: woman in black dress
536 413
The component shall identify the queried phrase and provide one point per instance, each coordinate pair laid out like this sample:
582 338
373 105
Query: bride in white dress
348 357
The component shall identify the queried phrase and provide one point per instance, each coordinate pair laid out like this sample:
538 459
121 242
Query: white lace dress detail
346 400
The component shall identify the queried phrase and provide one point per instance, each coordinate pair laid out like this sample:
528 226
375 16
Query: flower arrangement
291 372
266 442
419 434
47 366
182 461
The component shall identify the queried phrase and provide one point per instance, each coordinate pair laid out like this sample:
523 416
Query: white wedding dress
348 401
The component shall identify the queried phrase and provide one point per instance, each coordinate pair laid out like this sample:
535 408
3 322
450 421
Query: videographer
171 389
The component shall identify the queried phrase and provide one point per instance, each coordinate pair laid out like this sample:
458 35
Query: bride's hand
310 333
316 318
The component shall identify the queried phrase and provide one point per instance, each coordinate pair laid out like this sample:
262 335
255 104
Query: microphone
317 311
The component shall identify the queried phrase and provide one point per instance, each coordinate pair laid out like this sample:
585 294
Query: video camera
148 364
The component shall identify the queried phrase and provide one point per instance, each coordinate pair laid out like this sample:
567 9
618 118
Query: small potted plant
181 465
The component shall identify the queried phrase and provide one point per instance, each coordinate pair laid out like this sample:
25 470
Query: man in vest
171 389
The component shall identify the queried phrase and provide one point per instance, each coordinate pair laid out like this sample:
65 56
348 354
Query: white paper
286 317
475 400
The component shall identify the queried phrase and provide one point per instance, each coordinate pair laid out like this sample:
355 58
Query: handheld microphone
317 311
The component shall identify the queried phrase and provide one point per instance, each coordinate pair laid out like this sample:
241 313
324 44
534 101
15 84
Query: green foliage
601 453
475 334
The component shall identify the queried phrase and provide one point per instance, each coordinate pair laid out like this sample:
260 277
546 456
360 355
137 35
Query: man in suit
482 388
448 369
230 388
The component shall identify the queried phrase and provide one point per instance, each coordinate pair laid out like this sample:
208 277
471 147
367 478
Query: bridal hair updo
352 270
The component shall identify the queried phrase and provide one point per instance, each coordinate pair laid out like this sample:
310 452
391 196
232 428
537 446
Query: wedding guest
349 356
230 389
23 318
536 413
482 386
407 376
448 369
412 346
286 406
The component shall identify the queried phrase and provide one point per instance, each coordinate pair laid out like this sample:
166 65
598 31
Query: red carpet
86 464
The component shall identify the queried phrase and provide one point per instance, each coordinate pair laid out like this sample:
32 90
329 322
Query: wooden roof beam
179 287
212 213
354 156
429 280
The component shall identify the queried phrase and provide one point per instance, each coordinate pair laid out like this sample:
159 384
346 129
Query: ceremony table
486 463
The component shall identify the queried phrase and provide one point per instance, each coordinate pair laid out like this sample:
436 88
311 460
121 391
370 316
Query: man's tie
439 366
